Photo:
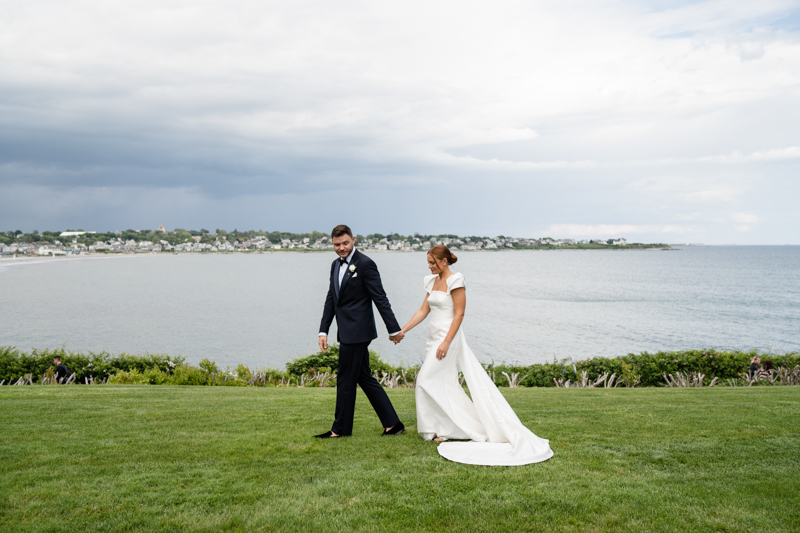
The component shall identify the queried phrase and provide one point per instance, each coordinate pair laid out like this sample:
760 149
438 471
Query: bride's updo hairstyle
442 252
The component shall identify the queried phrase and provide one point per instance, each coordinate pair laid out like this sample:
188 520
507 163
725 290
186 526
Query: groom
355 285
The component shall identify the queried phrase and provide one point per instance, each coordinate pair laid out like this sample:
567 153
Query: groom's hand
397 338
323 342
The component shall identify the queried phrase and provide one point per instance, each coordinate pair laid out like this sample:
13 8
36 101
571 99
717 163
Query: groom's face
343 245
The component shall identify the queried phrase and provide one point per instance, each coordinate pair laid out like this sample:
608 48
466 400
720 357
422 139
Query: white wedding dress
444 409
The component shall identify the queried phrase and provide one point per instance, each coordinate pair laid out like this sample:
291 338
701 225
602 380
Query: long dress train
443 408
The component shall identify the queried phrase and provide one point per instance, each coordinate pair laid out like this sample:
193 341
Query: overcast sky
657 121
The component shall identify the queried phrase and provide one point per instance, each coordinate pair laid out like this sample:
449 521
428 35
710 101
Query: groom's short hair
340 230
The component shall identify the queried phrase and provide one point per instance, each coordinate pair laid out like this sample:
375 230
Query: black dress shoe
329 435
396 430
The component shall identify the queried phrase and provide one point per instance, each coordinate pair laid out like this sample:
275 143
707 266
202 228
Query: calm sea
522 307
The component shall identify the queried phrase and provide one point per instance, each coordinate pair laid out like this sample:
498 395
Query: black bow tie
342 261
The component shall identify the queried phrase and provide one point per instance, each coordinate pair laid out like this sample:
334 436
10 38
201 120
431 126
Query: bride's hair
440 251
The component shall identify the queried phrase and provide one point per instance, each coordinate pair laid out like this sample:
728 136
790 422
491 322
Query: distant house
74 233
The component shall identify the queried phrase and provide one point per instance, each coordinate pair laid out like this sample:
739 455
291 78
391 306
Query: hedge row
650 366
166 369
15 363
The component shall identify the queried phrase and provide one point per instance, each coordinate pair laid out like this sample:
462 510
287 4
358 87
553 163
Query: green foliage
189 375
243 372
134 377
154 376
15 363
330 359
712 363
629 377
160 369
209 367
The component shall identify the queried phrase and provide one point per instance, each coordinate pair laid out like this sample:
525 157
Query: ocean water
522 306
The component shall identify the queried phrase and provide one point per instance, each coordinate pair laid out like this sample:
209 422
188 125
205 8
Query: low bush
99 366
189 375
133 377
650 367
643 370
330 359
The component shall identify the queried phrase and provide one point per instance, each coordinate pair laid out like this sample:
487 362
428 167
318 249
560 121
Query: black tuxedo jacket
351 305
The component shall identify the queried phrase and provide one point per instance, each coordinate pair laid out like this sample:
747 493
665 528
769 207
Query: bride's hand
441 351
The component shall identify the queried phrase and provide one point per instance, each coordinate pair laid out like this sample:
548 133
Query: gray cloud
487 118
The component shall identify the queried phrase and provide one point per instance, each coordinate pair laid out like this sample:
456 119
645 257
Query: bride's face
435 266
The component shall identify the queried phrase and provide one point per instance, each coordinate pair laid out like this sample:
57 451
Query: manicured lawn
159 458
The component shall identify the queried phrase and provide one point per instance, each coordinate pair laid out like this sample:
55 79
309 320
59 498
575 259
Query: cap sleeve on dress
456 281
429 280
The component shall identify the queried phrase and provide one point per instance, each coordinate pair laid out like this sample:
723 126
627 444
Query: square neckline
445 283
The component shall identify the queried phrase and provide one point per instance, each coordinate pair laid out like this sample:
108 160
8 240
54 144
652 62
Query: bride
444 411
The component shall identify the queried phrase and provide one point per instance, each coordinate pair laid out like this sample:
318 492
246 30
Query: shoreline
367 251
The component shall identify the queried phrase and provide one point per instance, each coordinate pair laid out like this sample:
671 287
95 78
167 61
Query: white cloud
744 218
721 194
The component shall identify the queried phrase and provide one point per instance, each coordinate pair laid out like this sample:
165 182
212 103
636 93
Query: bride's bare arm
419 316
460 304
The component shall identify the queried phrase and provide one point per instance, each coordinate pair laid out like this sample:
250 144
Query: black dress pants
354 370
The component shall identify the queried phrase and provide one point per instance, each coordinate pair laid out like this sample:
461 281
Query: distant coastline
50 253
79 242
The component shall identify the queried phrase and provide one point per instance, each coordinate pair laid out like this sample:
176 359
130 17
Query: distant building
74 233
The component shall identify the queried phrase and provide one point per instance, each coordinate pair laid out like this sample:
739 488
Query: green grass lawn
141 458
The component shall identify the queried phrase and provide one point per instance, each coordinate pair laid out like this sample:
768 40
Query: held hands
323 342
441 351
397 338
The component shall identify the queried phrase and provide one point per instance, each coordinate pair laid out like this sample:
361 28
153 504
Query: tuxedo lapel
335 280
349 273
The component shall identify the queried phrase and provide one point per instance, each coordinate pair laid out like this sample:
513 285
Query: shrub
159 369
209 367
154 376
189 375
329 358
134 377
242 372
14 363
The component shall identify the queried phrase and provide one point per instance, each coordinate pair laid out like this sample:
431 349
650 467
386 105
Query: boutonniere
352 268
